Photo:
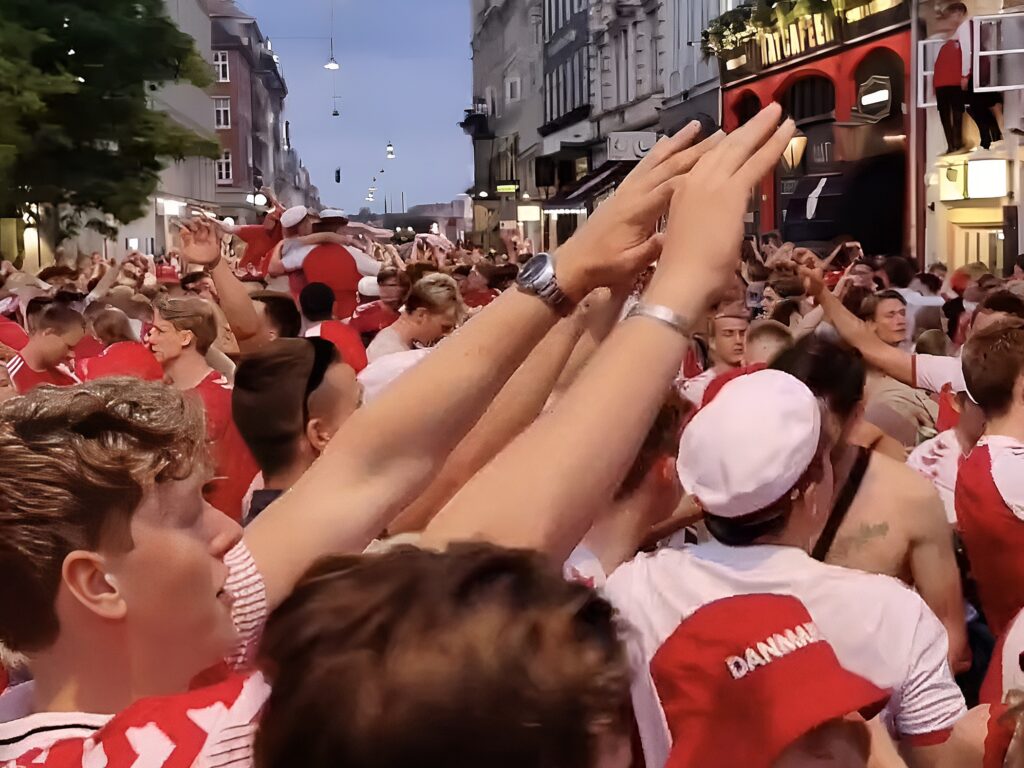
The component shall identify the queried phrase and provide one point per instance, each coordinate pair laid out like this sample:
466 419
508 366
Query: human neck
405 329
1010 424
187 370
33 357
724 367
88 676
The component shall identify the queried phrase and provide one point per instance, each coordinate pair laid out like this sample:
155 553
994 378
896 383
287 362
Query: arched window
811 98
748 106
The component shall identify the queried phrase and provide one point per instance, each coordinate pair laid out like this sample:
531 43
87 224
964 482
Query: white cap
749 446
376 377
293 216
368 287
332 213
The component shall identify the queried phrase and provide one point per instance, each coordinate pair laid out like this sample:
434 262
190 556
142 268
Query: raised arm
512 411
855 332
389 451
543 490
201 246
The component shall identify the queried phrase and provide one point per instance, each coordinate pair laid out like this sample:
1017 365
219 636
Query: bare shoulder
920 508
901 482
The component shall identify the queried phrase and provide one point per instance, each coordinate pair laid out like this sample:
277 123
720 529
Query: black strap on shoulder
842 505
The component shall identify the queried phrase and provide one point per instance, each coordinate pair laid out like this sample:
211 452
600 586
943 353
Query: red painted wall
839 66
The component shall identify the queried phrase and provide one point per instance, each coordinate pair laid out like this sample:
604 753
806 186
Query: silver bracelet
663 315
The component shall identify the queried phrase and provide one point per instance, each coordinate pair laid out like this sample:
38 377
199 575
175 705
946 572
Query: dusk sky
405 77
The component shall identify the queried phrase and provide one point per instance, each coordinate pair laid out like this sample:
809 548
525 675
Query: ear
86 578
318 435
187 338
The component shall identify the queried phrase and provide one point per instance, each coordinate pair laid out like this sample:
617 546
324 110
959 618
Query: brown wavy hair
477 656
75 463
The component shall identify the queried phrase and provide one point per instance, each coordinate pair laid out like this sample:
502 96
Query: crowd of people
660 498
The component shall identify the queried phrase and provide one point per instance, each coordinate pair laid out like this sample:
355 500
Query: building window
224 174
513 90
220 64
222 112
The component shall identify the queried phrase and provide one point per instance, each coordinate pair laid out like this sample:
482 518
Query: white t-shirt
878 627
387 342
933 372
584 567
229 728
938 460
694 389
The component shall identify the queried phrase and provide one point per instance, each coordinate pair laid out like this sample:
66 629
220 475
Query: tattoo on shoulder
865 533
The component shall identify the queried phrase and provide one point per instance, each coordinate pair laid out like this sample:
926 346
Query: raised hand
705 229
618 240
200 242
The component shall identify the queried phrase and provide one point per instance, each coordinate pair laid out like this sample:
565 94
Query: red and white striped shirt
25 379
212 726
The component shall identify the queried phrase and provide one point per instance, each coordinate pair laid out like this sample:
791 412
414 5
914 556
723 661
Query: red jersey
349 343
12 334
234 466
334 266
89 346
373 317
990 513
205 726
259 242
475 299
26 379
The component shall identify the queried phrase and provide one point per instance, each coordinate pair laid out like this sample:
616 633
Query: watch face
533 270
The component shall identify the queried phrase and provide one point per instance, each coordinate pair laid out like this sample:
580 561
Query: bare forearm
855 332
520 402
382 457
543 490
236 304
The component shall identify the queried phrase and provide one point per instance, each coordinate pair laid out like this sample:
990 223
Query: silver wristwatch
537 278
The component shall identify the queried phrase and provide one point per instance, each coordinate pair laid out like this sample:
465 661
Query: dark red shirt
373 317
348 341
12 334
234 467
334 266
259 242
474 299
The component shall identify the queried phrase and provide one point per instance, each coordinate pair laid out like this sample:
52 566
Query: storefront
843 73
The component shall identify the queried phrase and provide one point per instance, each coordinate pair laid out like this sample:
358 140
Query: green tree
78 133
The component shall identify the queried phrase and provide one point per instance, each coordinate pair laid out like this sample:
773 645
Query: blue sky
405 77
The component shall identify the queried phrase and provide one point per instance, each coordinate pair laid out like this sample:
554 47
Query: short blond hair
192 314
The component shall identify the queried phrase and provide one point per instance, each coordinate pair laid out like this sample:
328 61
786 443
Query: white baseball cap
293 216
333 213
368 287
378 375
749 446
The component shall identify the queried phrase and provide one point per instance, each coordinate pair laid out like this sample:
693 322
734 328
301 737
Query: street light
391 151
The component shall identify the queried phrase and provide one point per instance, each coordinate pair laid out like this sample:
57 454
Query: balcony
750 40
476 124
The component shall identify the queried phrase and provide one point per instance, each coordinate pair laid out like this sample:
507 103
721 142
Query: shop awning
579 194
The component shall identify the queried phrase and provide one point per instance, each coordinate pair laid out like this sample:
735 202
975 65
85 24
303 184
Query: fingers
683 162
767 157
644 254
666 148
739 145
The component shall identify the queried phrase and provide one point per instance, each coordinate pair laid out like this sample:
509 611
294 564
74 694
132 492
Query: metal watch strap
663 315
